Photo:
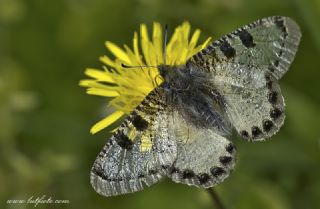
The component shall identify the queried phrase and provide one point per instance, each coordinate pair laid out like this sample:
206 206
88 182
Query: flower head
128 87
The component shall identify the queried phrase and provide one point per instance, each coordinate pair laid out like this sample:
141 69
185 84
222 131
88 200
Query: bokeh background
45 144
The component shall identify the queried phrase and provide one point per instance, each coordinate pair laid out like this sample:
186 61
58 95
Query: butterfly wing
204 157
245 66
268 45
258 113
138 153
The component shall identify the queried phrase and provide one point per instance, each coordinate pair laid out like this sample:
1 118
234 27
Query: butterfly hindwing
138 153
258 113
204 156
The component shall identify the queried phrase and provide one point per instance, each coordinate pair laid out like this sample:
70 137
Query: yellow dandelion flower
128 87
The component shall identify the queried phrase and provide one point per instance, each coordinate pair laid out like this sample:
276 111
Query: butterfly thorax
190 91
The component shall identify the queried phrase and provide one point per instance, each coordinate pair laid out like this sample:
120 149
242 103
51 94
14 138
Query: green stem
215 198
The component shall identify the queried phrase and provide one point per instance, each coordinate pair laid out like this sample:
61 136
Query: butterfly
181 128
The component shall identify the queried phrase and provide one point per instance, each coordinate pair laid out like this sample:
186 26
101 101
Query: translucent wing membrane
255 113
245 66
204 158
268 45
138 153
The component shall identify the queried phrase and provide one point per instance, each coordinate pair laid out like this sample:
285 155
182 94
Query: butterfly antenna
165 44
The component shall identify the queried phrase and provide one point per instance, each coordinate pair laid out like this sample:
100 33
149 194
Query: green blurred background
45 117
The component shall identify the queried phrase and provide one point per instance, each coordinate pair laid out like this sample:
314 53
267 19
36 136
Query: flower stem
215 198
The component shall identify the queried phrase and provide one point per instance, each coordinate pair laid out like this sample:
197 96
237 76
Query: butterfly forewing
269 44
138 153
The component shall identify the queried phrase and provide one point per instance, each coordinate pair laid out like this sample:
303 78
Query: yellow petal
144 32
152 58
186 28
118 52
133 57
106 60
96 84
194 39
144 39
102 92
183 56
205 44
99 75
157 42
136 48
106 122
86 82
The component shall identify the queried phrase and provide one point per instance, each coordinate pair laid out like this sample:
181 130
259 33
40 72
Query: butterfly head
171 73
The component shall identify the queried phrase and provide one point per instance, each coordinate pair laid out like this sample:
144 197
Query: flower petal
106 60
106 122
157 42
118 52
86 82
102 92
194 39
99 75
136 48
185 31
205 44
96 84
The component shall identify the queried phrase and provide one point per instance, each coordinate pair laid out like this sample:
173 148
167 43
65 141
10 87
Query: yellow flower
128 86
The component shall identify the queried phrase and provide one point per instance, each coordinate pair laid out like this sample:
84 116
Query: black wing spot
230 148
123 140
267 125
255 131
269 84
272 68
280 24
225 160
187 174
275 113
244 134
268 80
140 123
165 167
99 172
173 170
246 38
280 53
227 49
203 178
217 171
152 172
273 97
141 175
